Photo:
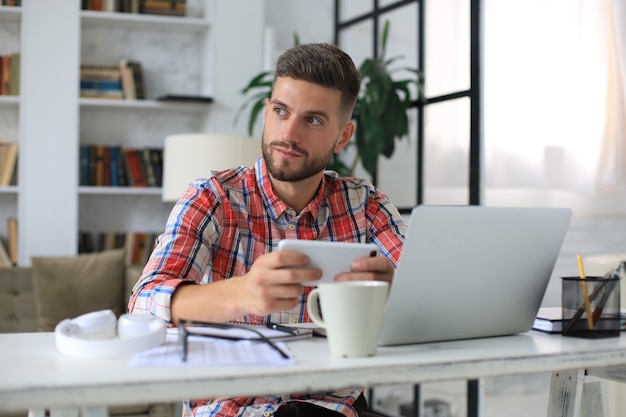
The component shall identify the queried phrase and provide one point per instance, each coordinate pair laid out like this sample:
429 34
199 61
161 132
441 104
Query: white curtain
612 167
554 94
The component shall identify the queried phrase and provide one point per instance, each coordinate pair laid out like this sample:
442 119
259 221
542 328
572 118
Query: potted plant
380 113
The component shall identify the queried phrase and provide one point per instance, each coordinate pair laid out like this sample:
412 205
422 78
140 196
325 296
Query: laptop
472 271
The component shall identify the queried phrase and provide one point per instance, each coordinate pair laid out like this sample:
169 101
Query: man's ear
346 135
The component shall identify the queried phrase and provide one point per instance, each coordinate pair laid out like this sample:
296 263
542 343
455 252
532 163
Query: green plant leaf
259 81
258 102
254 114
384 39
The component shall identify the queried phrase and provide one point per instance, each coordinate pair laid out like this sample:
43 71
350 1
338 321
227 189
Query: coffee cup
351 313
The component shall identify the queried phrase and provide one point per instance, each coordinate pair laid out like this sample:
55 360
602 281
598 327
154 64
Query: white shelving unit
206 53
10 19
173 52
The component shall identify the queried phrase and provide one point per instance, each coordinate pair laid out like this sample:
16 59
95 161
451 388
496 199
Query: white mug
352 313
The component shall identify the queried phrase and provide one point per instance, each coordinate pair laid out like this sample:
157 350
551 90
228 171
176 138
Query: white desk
35 376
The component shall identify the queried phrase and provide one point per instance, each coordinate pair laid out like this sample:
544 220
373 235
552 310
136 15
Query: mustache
289 147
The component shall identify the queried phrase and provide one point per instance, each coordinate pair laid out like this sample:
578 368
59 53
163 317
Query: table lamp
189 156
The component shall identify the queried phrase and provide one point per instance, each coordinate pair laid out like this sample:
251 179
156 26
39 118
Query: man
223 230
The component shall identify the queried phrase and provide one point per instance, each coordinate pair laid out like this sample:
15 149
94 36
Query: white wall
311 20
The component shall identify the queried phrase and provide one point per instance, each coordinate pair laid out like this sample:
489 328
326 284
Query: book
83 165
164 7
121 174
140 89
148 167
5 259
128 81
14 79
5 74
12 231
8 161
86 242
99 165
156 157
549 320
135 170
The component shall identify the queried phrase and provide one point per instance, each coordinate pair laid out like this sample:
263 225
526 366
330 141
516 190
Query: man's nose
291 131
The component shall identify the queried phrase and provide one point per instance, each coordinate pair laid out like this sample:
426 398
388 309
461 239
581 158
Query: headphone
100 335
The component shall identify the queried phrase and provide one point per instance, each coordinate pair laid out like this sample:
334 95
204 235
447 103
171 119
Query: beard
283 171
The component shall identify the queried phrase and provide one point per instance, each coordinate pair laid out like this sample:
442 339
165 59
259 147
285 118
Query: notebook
472 271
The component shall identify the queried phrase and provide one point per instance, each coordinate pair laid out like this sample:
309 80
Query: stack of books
122 81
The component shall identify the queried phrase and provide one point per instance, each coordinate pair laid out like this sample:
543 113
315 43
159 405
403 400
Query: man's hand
273 283
374 268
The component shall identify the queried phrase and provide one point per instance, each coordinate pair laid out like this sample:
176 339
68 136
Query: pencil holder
591 307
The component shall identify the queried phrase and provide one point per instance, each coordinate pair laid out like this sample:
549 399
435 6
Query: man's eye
279 111
314 121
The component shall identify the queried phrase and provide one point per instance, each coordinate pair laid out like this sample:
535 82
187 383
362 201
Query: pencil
581 269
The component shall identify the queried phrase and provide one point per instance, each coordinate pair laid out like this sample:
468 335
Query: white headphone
100 335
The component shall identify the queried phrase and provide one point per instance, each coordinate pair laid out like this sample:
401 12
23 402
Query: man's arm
274 283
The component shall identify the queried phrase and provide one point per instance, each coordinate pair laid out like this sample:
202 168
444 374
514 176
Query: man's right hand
273 283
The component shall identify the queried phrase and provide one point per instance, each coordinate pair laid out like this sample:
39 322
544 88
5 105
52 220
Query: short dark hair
326 65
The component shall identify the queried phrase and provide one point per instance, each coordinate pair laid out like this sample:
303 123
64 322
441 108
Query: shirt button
267 414
292 227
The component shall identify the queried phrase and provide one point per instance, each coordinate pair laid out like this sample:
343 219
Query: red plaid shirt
221 224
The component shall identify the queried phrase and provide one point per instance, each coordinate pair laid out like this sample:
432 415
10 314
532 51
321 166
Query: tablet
331 257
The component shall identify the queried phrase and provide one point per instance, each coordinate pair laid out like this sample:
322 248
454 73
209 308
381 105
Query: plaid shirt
221 224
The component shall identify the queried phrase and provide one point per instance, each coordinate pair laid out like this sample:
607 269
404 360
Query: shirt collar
274 204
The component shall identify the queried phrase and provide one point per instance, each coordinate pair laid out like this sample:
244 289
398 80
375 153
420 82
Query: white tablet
331 257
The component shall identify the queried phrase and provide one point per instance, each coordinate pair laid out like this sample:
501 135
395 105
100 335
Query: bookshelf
10 23
179 55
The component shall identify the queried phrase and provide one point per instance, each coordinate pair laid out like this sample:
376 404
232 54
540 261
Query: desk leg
565 393
473 397
573 394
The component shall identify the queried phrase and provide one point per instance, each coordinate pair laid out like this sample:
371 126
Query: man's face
302 129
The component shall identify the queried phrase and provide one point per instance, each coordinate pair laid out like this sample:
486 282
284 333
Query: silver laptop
472 271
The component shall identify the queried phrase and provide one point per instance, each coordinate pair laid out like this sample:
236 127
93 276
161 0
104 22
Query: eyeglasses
186 329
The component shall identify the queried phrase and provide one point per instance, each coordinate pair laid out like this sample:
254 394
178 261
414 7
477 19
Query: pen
282 328
585 292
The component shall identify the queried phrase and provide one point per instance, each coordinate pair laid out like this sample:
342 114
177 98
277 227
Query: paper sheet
204 351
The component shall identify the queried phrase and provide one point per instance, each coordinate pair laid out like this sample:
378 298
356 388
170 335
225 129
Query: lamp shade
189 156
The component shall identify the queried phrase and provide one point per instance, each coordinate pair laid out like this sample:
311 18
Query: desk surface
35 375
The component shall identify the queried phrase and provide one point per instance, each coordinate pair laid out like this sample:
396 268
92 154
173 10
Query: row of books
11 2
138 245
8 162
10 74
8 252
122 81
115 166
161 7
